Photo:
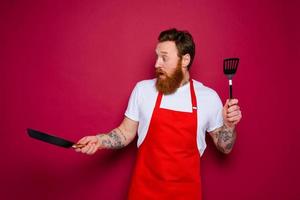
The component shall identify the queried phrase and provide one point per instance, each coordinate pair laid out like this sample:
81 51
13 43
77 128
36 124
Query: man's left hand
231 113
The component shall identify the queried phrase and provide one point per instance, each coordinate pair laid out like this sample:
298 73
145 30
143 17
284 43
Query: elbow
226 152
225 149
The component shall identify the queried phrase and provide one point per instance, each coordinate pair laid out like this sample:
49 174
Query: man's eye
164 58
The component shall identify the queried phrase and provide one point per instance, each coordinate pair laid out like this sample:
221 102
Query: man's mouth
160 73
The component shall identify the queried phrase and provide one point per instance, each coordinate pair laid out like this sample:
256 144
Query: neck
186 78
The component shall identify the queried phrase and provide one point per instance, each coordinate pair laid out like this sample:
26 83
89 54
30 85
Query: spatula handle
230 89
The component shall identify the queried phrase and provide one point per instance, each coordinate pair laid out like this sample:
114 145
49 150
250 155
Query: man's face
167 58
168 68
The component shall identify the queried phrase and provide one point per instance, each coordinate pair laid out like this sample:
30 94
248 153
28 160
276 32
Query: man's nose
158 64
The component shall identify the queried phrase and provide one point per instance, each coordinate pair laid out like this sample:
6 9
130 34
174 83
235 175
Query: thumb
226 103
85 140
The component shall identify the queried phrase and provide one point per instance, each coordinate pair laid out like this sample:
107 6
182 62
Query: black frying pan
52 139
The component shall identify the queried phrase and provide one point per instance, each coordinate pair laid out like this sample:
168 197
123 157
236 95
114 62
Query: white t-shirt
142 102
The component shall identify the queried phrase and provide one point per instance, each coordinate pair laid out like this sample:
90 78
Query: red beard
169 84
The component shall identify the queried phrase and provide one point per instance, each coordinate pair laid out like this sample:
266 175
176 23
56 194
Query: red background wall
68 68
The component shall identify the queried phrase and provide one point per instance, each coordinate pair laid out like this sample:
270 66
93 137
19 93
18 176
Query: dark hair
183 40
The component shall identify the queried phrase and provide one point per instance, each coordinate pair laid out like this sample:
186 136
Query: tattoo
225 135
114 140
121 133
226 138
229 146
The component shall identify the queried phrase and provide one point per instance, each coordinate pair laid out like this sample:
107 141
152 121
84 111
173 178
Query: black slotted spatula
230 66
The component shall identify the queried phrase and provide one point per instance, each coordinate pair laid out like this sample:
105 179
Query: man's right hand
116 139
90 145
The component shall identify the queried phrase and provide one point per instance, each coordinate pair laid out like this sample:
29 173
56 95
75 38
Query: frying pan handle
76 146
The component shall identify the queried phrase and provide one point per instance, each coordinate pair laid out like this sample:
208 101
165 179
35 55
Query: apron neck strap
192 92
193 95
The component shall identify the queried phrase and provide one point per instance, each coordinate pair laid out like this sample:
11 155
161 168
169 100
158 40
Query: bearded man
171 115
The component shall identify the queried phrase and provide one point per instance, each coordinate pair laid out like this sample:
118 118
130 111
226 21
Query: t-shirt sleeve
216 118
132 111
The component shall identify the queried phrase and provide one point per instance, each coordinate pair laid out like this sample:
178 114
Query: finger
95 148
235 119
87 140
233 108
233 113
83 140
225 108
226 103
78 146
86 148
92 150
77 149
233 102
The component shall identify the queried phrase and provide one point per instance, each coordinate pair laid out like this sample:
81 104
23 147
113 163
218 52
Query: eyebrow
162 52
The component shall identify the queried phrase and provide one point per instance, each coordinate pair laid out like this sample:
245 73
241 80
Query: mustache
159 72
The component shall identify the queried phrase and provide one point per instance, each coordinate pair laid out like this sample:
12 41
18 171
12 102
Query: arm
224 137
115 139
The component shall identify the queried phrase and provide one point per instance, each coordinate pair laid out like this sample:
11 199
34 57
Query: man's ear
186 59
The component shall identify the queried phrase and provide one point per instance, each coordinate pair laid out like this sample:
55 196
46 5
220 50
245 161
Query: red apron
168 161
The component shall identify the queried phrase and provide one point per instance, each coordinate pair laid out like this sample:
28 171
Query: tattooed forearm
113 140
226 138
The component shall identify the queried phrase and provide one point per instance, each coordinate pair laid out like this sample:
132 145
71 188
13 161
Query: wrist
229 126
99 140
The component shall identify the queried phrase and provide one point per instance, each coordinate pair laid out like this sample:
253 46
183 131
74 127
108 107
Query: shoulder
200 88
144 88
145 85
208 100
